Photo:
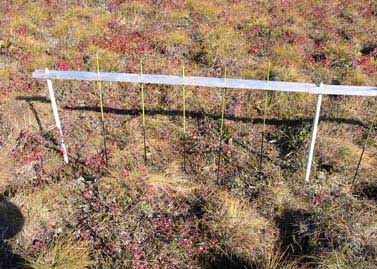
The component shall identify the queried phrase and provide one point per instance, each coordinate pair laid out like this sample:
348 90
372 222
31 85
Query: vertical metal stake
314 136
223 95
99 83
57 120
184 120
143 112
363 151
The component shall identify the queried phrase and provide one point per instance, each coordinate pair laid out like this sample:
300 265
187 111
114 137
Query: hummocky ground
132 214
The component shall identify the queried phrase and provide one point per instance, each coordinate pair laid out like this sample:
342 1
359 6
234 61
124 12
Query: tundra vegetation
128 213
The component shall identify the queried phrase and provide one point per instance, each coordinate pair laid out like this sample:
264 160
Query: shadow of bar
196 114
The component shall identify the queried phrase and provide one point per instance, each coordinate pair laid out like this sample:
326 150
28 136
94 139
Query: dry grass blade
63 252
242 231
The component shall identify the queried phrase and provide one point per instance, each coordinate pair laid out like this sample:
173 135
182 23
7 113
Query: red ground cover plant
123 215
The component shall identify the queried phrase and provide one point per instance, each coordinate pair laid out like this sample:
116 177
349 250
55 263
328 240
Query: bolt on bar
206 82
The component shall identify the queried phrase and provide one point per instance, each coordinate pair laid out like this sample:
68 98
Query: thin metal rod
102 114
264 124
218 179
211 82
184 121
362 152
57 119
143 114
314 136
358 166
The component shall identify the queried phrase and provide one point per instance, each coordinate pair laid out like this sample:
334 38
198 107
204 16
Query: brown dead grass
63 252
45 209
239 226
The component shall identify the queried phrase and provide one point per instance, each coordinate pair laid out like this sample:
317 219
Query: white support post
314 136
57 120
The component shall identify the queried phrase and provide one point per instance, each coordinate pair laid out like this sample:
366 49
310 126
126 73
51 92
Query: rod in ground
265 107
143 114
218 178
99 83
314 137
363 150
184 120
57 119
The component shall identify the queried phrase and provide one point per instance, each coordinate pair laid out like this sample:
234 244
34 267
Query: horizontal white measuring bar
209 82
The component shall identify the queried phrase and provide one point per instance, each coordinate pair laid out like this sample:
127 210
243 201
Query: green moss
223 44
176 38
206 9
4 73
260 21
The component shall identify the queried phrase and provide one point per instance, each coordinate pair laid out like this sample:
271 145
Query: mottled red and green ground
132 215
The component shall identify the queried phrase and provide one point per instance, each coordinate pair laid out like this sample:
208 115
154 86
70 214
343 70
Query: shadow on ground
366 190
11 223
295 227
302 237
226 262
194 114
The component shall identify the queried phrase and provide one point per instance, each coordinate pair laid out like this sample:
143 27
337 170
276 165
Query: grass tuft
242 231
63 252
